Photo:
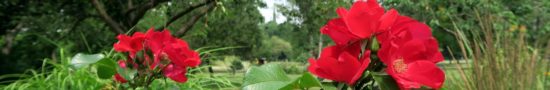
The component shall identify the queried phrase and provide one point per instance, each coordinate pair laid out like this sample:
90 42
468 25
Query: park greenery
68 44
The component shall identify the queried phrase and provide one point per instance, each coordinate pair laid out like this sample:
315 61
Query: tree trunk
9 38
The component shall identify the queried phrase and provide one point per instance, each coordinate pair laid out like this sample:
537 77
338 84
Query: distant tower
274 18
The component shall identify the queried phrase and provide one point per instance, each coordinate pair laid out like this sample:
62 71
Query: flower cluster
156 52
407 47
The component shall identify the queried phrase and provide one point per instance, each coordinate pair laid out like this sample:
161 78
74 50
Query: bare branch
140 11
9 37
187 26
186 11
75 25
117 28
130 4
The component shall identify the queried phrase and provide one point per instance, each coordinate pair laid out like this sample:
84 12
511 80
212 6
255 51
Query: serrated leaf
106 68
80 60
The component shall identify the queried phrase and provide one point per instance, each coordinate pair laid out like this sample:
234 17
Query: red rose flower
362 21
162 46
416 73
407 47
339 64
402 23
156 43
336 29
408 39
176 73
180 54
181 57
412 64
410 53
131 44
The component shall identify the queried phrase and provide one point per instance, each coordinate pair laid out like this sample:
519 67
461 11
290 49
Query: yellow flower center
399 66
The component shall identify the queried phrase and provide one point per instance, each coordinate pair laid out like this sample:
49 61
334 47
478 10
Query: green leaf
80 60
385 81
269 85
305 81
273 77
266 77
106 68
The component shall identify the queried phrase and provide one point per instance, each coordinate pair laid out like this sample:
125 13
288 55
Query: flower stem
342 86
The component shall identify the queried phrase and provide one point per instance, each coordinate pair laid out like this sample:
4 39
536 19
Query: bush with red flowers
374 48
407 52
152 55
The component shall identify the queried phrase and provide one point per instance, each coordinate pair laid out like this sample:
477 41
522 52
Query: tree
125 15
307 18
235 25
33 30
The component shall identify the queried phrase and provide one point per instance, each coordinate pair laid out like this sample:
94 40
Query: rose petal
357 21
425 73
387 20
354 67
336 29
314 68
175 73
365 63
119 78
341 11
123 45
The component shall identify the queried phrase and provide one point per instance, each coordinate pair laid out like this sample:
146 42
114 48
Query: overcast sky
268 11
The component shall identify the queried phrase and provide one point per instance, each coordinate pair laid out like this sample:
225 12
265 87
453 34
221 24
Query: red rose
131 44
411 53
339 64
176 73
409 39
362 21
336 29
163 46
157 42
412 64
408 48
413 74
180 54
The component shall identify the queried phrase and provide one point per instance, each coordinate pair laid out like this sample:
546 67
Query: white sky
270 8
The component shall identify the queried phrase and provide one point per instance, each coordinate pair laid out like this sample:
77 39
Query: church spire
274 18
